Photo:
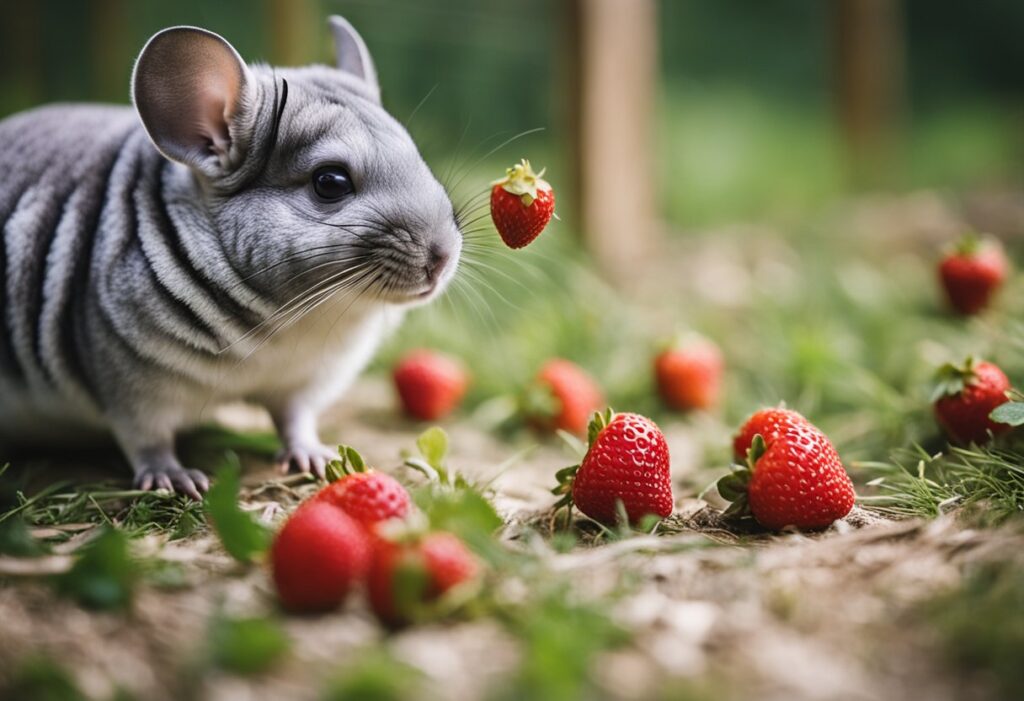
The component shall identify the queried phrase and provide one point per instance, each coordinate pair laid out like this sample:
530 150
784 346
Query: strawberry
769 423
318 556
797 479
368 496
965 396
627 462
972 273
430 385
522 204
562 397
406 578
689 375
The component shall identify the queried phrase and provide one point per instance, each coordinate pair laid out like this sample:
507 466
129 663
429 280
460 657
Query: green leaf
244 538
433 446
42 679
246 645
409 588
463 511
103 575
733 485
16 540
1010 413
374 675
756 450
354 458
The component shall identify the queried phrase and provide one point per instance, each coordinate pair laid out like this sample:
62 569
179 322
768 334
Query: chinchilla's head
312 188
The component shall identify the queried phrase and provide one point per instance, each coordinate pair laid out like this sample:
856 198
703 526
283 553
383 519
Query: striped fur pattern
138 291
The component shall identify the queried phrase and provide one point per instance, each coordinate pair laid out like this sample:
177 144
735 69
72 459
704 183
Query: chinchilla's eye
331 183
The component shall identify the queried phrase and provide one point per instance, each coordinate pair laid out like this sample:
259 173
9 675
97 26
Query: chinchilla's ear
192 90
351 54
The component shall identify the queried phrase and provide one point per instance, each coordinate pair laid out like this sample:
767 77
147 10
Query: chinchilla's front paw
306 457
173 478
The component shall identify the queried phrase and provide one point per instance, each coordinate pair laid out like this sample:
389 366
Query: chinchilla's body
243 233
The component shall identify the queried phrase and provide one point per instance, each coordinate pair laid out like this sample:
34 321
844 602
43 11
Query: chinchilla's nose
437 259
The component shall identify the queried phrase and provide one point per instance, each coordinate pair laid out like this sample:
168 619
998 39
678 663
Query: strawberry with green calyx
688 373
965 396
795 480
626 467
769 422
416 576
368 496
522 204
561 397
972 273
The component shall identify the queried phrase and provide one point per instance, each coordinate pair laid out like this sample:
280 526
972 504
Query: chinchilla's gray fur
160 261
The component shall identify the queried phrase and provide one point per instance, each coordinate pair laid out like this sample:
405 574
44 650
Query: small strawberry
972 273
317 557
407 578
769 423
521 205
689 374
368 496
430 385
965 396
562 397
627 462
795 480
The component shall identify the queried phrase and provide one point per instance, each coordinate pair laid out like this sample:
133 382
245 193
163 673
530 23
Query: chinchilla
245 233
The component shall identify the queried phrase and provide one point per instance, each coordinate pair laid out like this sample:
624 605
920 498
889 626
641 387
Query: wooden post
296 28
615 91
870 84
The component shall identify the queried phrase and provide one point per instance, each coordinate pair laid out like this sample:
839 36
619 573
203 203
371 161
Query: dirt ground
714 614
787 617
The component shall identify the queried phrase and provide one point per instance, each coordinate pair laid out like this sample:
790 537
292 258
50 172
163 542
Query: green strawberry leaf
104 574
433 446
739 509
244 538
733 485
246 646
16 540
756 450
598 424
951 379
1010 413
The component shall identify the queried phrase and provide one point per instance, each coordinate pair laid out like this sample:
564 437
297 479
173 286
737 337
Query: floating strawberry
521 205
689 374
965 396
627 462
407 579
796 479
563 396
366 495
770 423
430 385
972 273
317 557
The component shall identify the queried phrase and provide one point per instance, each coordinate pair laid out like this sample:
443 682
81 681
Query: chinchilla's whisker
480 280
455 158
297 258
408 120
295 301
493 151
497 271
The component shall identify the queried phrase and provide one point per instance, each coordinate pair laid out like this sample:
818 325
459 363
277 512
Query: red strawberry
521 205
965 396
795 480
405 578
689 375
430 385
628 462
368 496
562 396
972 273
318 556
769 423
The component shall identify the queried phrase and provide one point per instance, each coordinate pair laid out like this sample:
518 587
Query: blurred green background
747 123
